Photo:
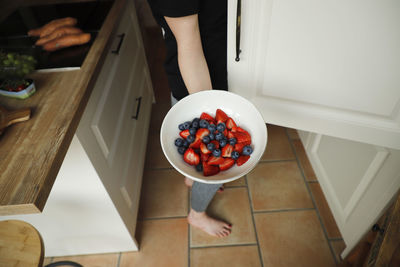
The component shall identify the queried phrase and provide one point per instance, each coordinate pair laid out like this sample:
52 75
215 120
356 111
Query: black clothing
213 30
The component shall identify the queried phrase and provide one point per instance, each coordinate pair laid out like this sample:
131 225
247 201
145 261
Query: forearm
191 60
193 67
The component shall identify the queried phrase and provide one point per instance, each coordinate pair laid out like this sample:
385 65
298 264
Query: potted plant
14 69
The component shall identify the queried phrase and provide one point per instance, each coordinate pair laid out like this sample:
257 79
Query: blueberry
221 127
195 123
181 127
190 138
219 136
192 131
222 142
187 125
199 167
216 152
247 150
206 139
185 144
212 136
211 146
232 141
203 124
235 155
179 141
212 128
181 150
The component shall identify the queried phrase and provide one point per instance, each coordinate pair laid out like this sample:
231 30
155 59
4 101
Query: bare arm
191 60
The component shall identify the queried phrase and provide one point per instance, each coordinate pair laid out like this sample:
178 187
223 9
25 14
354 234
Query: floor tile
231 206
236 256
163 194
304 161
278 146
237 182
92 260
155 158
293 134
338 247
326 215
293 238
162 243
278 185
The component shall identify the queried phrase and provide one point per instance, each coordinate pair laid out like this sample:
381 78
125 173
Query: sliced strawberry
242 130
238 147
207 117
209 170
243 138
230 123
230 135
215 160
225 132
191 157
242 160
228 162
220 116
199 137
184 134
201 133
203 149
196 144
226 151
234 129
204 157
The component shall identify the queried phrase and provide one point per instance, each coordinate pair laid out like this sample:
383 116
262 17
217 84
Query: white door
331 67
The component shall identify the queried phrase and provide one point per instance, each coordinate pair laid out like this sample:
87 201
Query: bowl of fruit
213 136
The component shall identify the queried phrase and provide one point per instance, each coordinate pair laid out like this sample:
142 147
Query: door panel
329 67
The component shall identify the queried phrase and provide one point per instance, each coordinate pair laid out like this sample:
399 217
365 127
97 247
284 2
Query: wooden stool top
20 244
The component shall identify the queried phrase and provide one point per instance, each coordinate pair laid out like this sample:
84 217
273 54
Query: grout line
336 239
162 218
312 198
282 210
119 259
254 222
276 160
228 245
189 227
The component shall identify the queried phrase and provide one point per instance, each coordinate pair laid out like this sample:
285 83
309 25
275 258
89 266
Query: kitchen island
74 207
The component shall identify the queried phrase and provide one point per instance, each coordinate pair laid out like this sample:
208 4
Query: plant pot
23 94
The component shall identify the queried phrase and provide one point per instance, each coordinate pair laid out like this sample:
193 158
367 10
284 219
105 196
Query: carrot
58 33
52 25
66 41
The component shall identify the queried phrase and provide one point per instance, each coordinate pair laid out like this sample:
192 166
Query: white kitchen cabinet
93 205
331 69
113 129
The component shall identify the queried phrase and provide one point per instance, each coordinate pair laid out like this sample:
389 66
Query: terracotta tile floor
278 212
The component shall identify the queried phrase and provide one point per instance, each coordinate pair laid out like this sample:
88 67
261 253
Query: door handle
238 23
121 39
138 100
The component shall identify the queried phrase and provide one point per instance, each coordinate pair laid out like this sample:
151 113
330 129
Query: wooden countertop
32 152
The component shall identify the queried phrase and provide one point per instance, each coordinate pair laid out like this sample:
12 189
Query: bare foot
209 225
189 183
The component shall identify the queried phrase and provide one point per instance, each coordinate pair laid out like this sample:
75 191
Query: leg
202 194
189 183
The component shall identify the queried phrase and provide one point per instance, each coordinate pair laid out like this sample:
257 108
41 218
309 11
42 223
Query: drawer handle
121 39
138 100
238 22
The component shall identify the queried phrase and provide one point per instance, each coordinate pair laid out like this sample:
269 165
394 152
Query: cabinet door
330 67
110 128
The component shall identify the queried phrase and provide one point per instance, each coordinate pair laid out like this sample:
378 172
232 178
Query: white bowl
238 108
